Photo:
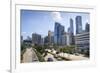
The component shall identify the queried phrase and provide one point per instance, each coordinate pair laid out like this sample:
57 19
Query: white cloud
56 16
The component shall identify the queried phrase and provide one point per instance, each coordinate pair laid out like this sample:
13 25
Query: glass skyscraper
78 24
87 27
71 26
71 32
58 32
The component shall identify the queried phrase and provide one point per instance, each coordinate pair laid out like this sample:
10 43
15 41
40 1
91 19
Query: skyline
40 22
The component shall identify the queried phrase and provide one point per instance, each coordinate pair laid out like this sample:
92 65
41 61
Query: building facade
82 42
50 37
78 24
87 27
71 39
36 39
58 33
71 26
71 33
64 39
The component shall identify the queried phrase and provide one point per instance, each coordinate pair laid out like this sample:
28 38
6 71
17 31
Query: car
49 59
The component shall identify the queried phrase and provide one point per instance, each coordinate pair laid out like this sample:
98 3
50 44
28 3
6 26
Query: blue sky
40 22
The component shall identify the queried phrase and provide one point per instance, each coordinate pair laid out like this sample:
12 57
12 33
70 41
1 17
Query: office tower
82 42
46 40
87 27
68 39
36 39
64 39
68 30
58 32
42 41
71 26
71 33
78 24
50 37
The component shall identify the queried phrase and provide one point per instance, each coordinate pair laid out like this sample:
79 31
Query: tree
39 55
39 48
67 49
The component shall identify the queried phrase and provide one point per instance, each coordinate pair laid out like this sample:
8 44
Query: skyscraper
46 40
58 32
71 26
68 37
50 37
36 39
71 33
68 30
64 39
87 27
78 24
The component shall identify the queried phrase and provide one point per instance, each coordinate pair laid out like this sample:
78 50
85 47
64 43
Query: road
29 56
